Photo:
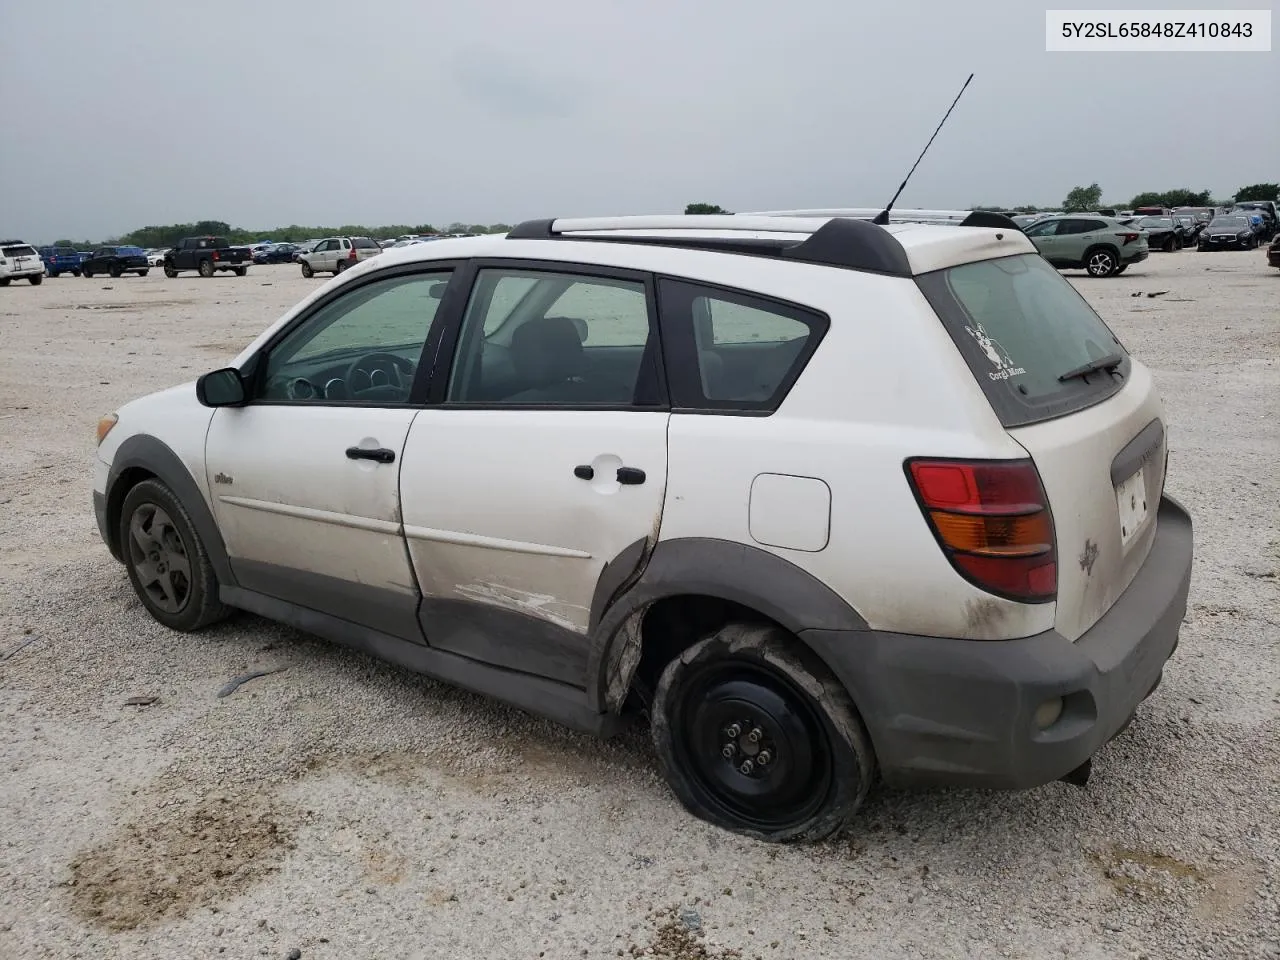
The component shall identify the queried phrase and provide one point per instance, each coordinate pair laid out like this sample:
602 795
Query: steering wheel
387 377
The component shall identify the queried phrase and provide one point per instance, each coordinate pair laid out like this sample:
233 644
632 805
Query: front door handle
630 475
379 455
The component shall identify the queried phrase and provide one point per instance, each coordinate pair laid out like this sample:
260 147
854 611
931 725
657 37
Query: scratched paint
540 605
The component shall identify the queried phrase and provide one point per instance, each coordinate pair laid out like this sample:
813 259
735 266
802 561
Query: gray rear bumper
960 712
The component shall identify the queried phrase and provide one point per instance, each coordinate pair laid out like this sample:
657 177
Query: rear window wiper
1107 363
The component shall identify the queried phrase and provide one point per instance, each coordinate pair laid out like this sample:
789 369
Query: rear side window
364 243
730 351
1020 326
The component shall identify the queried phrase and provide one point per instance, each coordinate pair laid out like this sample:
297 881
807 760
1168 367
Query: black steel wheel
753 735
166 560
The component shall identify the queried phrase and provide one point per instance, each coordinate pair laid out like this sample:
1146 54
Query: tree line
168 236
1090 198
1079 198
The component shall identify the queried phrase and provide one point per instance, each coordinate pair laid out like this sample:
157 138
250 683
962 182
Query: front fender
143 453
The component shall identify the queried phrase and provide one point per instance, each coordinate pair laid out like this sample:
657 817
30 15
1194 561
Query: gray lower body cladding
962 713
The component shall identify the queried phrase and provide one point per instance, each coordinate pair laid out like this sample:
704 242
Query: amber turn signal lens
104 426
1009 536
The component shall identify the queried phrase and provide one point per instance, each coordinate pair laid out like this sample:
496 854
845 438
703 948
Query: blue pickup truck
62 260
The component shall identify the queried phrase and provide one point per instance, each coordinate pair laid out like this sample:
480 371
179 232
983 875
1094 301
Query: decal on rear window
998 355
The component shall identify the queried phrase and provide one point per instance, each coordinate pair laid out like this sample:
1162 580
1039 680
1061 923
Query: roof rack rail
959 218
831 241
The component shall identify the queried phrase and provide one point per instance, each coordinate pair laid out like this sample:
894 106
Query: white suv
337 254
821 497
20 261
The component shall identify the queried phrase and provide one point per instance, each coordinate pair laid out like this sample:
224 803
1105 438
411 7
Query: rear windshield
18 250
1020 326
364 243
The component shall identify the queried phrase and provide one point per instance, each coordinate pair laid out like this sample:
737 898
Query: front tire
307 271
754 735
170 272
1101 262
166 560
87 273
4 282
206 268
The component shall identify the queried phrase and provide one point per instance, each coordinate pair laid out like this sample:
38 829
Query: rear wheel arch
689 588
143 457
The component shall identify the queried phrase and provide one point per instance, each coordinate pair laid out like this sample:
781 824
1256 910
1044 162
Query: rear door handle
379 455
630 475
584 471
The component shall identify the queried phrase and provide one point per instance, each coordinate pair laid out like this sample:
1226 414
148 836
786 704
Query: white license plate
1131 501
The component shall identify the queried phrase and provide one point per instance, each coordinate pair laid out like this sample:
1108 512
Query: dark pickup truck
207 256
115 261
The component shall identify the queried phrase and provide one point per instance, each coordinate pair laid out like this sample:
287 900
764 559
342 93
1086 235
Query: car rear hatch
365 247
1088 416
20 258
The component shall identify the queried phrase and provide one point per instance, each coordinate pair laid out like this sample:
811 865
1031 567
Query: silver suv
336 254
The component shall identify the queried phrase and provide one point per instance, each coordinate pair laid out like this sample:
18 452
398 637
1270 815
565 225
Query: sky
263 113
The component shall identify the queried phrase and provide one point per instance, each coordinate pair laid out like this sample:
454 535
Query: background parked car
1190 226
116 261
20 261
1273 252
337 253
1269 210
156 257
277 253
1163 233
1099 245
207 255
1228 232
60 260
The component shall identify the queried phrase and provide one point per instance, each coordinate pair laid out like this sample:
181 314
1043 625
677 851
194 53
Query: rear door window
731 351
1020 326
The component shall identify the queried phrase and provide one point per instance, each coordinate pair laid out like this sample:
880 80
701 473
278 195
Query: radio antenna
882 217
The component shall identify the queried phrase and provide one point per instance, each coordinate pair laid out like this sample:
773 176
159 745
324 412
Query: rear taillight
1128 237
215 254
352 254
993 521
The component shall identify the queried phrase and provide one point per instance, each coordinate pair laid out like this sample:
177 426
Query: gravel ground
343 808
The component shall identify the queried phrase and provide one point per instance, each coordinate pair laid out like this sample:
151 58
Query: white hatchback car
821 497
